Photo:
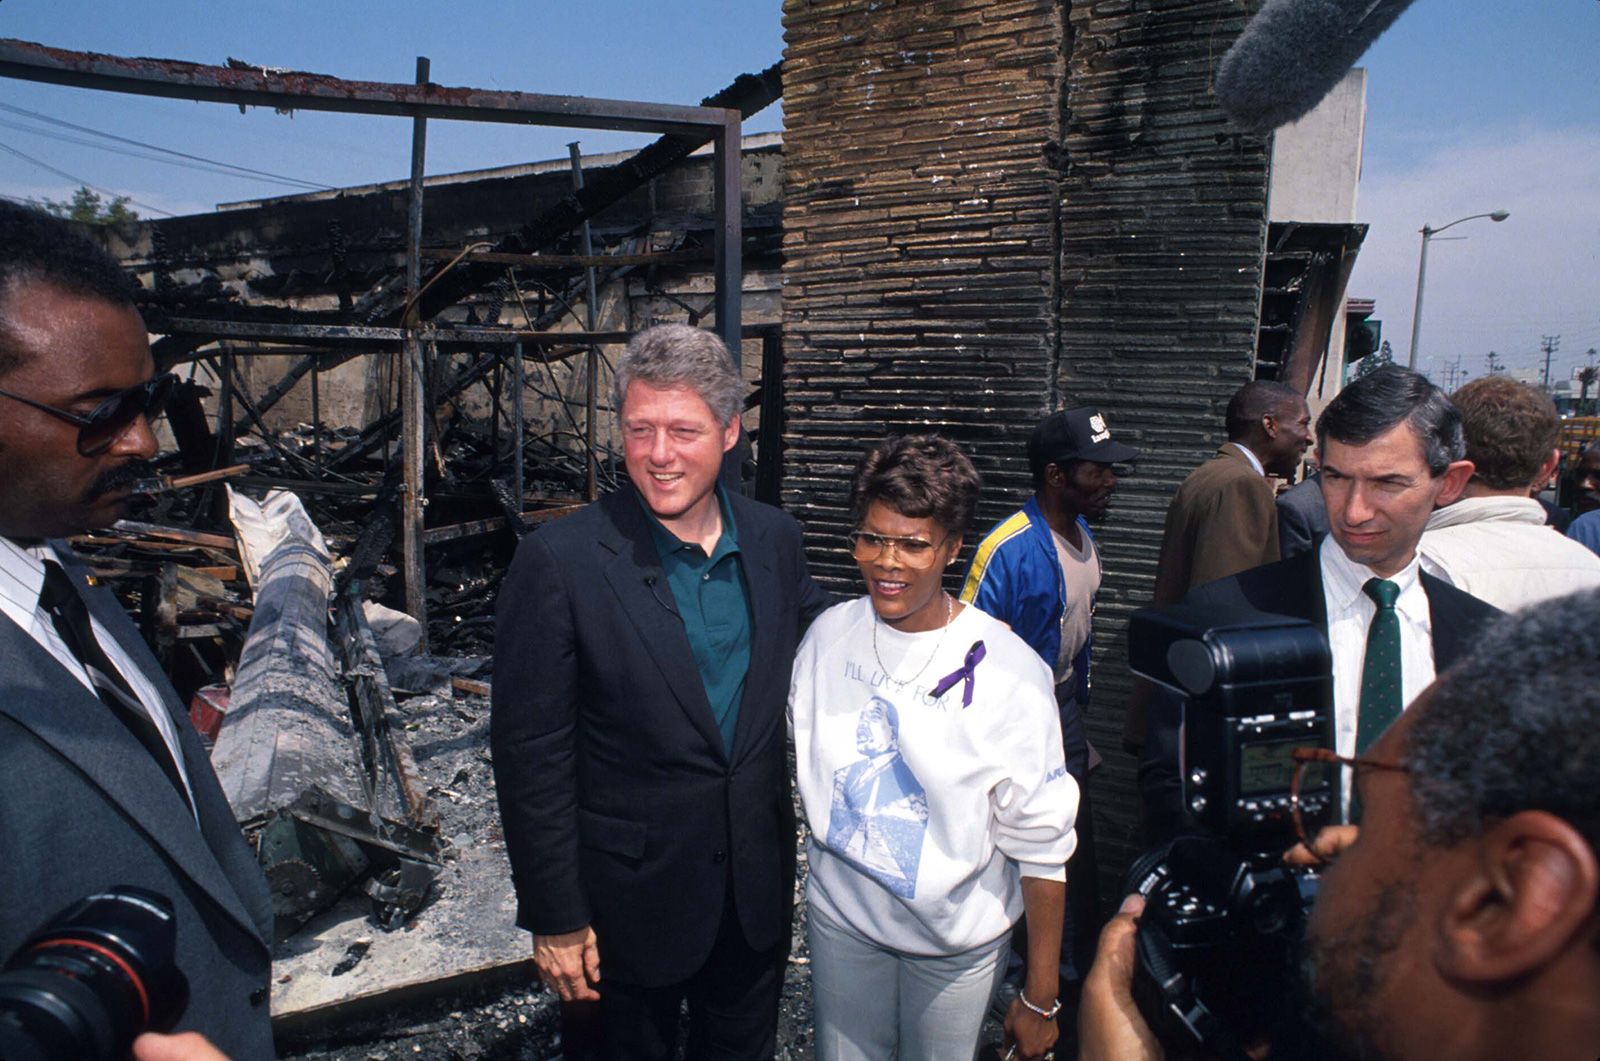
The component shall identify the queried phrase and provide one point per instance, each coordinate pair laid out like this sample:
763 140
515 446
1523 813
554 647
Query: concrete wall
1316 161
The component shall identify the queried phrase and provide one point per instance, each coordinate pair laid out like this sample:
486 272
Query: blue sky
1473 105
666 51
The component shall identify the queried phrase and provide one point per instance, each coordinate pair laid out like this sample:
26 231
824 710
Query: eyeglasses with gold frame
918 553
1304 757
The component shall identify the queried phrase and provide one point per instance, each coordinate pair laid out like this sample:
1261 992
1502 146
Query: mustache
121 477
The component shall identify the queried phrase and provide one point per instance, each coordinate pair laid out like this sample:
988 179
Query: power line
236 169
146 155
79 180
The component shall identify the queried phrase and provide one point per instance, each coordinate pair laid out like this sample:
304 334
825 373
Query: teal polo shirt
714 604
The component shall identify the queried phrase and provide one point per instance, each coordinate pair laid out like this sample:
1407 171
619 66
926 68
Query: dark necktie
71 618
1380 672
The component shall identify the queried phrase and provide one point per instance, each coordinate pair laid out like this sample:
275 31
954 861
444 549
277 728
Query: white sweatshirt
924 814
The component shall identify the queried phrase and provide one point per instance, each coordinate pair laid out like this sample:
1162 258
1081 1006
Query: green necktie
1380 672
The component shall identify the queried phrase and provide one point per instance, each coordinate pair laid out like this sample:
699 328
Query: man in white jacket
1493 542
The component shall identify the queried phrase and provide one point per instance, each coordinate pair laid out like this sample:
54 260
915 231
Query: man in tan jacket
1223 519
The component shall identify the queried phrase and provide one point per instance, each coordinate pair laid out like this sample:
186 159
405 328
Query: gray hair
674 355
1514 726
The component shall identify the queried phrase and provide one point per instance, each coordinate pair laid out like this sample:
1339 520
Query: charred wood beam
365 333
397 788
177 534
374 434
296 372
575 261
474 528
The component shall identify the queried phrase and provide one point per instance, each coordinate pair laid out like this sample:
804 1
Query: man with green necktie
1392 450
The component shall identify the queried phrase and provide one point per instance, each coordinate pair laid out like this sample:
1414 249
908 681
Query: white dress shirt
21 579
1245 451
1350 613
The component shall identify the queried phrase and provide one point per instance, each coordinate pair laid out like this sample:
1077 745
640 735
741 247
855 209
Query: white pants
873 1003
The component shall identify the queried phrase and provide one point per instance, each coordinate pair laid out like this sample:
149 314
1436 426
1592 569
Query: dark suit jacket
621 808
1291 587
84 807
1302 517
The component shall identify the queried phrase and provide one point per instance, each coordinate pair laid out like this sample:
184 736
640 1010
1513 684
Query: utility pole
1548 345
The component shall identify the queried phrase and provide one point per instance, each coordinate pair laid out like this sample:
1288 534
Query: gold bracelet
1047 1012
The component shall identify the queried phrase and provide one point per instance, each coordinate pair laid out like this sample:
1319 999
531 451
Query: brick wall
993 209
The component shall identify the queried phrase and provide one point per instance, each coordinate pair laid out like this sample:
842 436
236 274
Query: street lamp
1422 270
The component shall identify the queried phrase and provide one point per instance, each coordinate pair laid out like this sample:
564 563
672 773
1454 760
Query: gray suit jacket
84 807
1302 517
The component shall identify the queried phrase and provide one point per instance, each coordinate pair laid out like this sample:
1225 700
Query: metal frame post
517 381
726 180
413 384
592 316
729 243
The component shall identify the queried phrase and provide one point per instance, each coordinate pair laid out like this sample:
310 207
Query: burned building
980 210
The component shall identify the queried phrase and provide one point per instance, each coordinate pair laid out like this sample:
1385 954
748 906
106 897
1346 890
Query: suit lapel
56 708
766 598
1451 638
635 576
1306 570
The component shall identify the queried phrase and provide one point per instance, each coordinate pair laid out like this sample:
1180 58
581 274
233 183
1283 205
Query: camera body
87 983
1218 943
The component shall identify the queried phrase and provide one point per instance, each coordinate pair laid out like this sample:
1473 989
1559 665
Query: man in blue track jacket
1038 571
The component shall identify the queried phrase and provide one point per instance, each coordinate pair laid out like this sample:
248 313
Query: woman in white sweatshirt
930 768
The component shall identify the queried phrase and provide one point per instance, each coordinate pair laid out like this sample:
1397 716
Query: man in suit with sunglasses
102 779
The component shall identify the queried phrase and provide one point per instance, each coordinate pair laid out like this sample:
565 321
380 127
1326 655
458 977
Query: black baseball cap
1076 434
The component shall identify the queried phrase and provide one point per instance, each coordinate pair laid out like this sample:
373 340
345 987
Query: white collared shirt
21 579
1255 462
1350 613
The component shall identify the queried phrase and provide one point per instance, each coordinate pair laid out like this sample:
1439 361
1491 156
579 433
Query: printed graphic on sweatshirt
879 813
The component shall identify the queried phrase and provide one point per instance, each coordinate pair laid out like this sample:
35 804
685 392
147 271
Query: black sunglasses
107 421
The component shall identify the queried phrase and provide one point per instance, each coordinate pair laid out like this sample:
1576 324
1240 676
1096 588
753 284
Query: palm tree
1586 378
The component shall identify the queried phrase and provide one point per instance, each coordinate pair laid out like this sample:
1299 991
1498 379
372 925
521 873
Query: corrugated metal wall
993 209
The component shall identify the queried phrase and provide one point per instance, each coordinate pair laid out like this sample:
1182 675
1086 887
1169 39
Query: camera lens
95 977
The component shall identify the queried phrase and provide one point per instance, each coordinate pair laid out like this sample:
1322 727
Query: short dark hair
1510 427
1037 463
1254 400
1514 726
1384 399
921 476
38 248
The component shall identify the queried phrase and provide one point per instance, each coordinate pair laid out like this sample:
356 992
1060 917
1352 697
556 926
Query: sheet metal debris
313 770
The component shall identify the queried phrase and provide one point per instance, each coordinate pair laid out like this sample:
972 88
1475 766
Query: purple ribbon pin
975 656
